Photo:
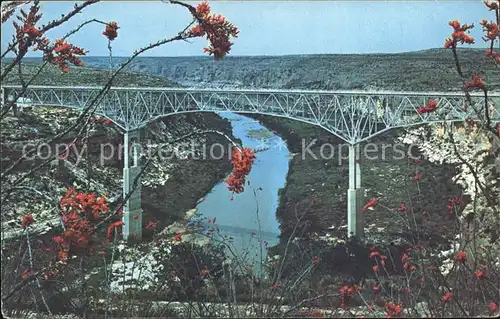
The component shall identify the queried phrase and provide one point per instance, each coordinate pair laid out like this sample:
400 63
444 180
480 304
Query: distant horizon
204 56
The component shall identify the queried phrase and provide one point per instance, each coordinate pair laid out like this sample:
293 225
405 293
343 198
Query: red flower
370 204
405 258
26 274
458 35
178 236
65 52
151 224
491 30
480 274
203 9
374 254
447 297
111 31
382 260
492 307
429 107
242 161
402 208
346 292
393 310
476 83
112 227
62 255
315 260
417 176
276 286
58 240
27 220
32 32
461 257
376 288
216 28
375 268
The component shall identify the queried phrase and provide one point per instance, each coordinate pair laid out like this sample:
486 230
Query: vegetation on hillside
432 246
83 76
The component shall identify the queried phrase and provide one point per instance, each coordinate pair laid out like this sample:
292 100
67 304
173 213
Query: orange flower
491 30
196 31
216 28
459 35
476 83
203 9
111 31
242 161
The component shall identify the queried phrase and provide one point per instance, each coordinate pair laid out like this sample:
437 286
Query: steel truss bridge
354 116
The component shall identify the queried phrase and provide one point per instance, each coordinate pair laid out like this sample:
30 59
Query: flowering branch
28 35
9 104
92 106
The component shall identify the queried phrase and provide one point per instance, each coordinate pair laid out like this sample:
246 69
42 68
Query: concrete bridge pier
8 99
355 194
132 211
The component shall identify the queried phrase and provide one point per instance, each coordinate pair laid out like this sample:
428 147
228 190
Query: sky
273 27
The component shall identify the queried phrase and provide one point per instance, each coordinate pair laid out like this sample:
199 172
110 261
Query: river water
249 219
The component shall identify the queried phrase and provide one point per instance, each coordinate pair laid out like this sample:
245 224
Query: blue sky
274 27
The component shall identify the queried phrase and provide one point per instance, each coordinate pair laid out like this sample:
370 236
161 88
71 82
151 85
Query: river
250 217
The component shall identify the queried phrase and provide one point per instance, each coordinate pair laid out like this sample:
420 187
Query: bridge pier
132 211
355 194
6 101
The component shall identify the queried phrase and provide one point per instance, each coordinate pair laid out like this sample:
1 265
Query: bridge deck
352 115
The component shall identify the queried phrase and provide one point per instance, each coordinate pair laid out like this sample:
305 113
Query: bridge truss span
354 116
